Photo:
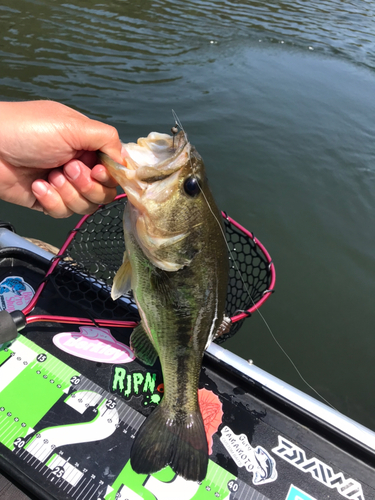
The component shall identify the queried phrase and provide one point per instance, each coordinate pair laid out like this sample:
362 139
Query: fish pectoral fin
142 346
122 280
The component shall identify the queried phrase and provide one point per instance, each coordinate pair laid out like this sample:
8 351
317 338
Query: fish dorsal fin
142 346
122 280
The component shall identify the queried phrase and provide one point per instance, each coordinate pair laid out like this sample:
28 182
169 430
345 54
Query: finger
48 200
101 174
98 171
72 198
89 158
97 135
80 176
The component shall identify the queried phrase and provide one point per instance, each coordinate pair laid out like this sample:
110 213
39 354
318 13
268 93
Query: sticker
15 294
256 460
94 344
137 383
212 414
297 494
348 488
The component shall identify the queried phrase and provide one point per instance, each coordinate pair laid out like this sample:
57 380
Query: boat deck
68 420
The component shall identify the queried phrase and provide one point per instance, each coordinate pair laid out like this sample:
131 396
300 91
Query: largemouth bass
176 263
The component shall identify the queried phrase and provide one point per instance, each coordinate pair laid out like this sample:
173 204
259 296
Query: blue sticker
15 293
296 494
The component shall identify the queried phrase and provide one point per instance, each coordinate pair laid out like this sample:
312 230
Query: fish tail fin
177 440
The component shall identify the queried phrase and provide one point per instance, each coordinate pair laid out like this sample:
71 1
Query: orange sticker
212 413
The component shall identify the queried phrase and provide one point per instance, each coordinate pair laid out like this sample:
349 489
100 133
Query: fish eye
191 186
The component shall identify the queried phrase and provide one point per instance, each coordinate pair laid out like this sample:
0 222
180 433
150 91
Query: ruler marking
4 425
35 459
47 469
9 430
23 451
92 486
50 472
66 485
84 488
84 479
94 491
130 422
41 465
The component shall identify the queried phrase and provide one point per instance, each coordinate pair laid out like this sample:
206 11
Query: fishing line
179 124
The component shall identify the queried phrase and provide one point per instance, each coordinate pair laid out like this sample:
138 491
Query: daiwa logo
348 488
94 344
15 294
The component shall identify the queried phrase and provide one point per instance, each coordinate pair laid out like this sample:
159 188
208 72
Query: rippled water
278 97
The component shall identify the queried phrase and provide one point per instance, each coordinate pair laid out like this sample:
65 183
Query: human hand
48 160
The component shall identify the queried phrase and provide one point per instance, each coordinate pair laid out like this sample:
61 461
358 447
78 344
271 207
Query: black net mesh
249 275
92 259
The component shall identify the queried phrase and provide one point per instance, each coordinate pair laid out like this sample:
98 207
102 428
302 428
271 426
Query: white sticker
256 460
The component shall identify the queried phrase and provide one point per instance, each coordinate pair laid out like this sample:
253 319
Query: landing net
91 259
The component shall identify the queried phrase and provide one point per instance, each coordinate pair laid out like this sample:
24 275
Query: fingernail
100 175
72 171
57 179
39 188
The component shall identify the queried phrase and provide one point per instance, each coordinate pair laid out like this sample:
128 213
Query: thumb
96 135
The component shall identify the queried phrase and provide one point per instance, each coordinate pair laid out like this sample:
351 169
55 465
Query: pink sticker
94 344
15 294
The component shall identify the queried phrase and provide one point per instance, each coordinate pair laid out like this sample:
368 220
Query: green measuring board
73 438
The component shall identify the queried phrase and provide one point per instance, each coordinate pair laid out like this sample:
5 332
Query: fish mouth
151 159
148 165
156 156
